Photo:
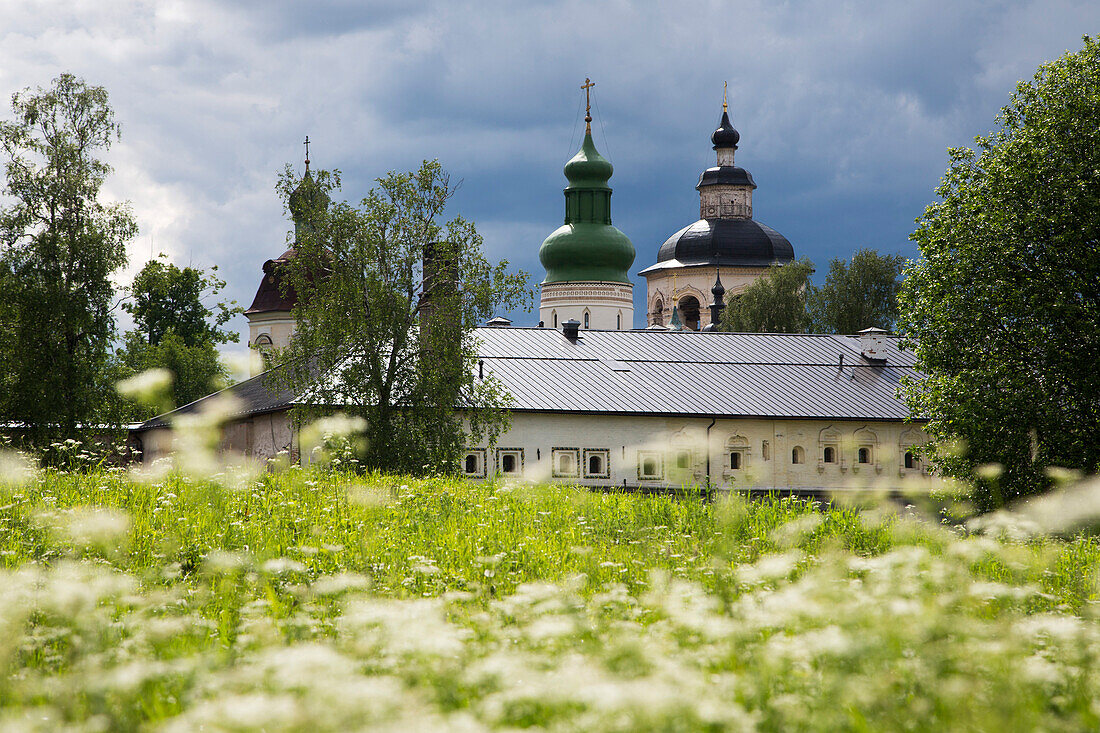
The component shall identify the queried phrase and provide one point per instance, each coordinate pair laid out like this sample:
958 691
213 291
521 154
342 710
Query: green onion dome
305 200
587 247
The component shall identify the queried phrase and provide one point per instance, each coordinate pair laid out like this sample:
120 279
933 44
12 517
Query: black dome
725 175
730 242
725 136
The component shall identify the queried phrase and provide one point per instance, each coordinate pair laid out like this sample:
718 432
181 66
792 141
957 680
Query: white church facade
599 403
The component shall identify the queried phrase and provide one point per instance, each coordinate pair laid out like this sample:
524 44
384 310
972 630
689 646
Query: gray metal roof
687 373
254 396
699 374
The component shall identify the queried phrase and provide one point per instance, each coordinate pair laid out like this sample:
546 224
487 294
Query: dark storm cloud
845 109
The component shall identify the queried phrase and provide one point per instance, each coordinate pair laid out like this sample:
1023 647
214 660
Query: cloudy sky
845 109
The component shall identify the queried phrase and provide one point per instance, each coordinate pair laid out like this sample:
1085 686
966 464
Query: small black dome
725 175
727 242
725 136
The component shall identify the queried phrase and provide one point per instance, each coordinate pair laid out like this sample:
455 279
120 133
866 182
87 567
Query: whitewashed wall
610 306
765 448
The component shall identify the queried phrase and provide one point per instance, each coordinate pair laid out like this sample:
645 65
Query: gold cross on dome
306 143
725 107
587 86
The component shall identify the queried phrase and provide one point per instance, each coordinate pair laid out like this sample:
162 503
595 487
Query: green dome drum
587 247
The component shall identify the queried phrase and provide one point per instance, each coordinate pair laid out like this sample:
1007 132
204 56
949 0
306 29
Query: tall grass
313 600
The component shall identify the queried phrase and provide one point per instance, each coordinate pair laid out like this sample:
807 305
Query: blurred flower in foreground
152 387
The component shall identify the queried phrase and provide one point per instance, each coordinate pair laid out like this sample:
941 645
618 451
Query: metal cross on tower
587 86
306 143
725 107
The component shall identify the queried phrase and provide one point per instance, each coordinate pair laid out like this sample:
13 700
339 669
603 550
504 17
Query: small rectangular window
565 462
510 461
473 463
735 460
650 466
597 463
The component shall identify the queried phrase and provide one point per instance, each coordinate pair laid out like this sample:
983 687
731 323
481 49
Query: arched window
555 319
586 319
595 464
910 462
689 312
262 341
658 313
864 455
798 455
565 464
508 463
471 463
829 454
619 322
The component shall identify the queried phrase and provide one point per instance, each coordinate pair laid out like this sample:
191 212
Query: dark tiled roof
783 376
269 296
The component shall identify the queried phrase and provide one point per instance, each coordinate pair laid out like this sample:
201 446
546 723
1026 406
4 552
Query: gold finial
587 86
725 107
306 143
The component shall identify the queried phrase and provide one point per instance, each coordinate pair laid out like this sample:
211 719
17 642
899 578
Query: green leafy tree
166 298
176 330
1003 306
388 297
776 303
858 294
59 246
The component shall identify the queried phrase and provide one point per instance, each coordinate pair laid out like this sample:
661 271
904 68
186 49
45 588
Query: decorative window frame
479 453
912 440
555 455
517 453
736 443
603 453
829 438
865 438
643 456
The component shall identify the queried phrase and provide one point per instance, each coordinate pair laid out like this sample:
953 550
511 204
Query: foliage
776 303
166 298
857 294
176 330
388 297
1004 305
59 246
196 369
327 601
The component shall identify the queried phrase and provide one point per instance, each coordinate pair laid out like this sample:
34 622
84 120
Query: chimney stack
571 329
872 344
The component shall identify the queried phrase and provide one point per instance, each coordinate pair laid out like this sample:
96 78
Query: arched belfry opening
689 312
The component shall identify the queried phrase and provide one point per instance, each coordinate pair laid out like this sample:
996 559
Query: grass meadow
313 600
